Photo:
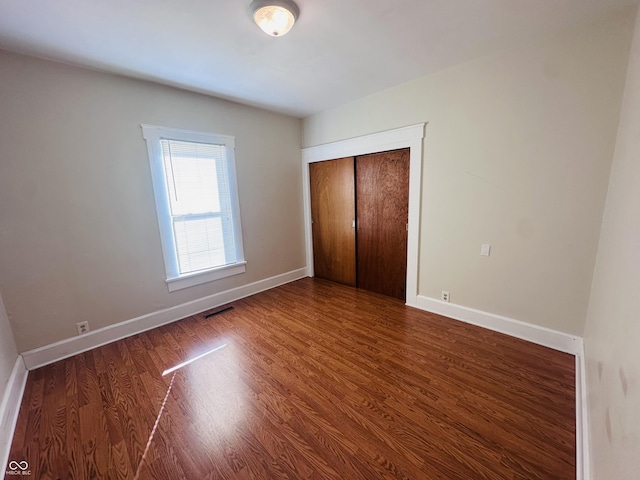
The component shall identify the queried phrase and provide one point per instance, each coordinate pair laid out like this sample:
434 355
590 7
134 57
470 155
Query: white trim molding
583 457
229 205
9 409
75 345
406 137
30 360
547 337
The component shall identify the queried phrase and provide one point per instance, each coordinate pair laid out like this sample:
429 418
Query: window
195 188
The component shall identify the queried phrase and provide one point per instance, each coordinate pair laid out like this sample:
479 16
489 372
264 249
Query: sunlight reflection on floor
217 398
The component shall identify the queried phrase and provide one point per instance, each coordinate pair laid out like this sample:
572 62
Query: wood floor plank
310 380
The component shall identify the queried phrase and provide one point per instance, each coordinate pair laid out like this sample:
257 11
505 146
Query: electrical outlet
83 327
444 296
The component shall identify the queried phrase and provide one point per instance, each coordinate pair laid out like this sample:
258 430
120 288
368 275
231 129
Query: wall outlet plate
83 327
444 296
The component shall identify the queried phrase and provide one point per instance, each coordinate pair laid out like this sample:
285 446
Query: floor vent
217 312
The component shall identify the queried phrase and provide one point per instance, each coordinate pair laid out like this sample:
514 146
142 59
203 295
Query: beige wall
8 352
79 238
613 323
517 154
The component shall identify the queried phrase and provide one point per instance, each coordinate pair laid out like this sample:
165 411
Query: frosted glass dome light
274 17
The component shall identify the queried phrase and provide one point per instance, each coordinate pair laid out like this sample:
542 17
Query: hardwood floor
317 380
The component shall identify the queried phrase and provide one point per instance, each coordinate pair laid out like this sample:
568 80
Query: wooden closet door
332 189
382 204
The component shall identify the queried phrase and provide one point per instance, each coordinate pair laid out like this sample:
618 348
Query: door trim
406 137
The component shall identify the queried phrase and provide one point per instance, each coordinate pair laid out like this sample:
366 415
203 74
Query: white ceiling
338 51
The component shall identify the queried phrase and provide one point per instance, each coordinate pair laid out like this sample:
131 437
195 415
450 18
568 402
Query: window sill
198 278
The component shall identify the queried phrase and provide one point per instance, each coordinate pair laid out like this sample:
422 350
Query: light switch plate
485 249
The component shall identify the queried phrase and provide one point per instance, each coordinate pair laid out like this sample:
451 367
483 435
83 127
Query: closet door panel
332 189
382 204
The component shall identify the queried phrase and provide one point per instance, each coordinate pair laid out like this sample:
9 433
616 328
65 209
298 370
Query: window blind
197 181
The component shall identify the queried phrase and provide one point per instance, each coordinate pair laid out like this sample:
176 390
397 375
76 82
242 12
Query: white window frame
175 281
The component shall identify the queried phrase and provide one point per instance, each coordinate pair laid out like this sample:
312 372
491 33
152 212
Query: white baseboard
542 336
583 459
66 348
515 328
9 409
75 345
560 341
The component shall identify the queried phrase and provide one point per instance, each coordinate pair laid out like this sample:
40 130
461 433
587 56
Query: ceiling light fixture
274 17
